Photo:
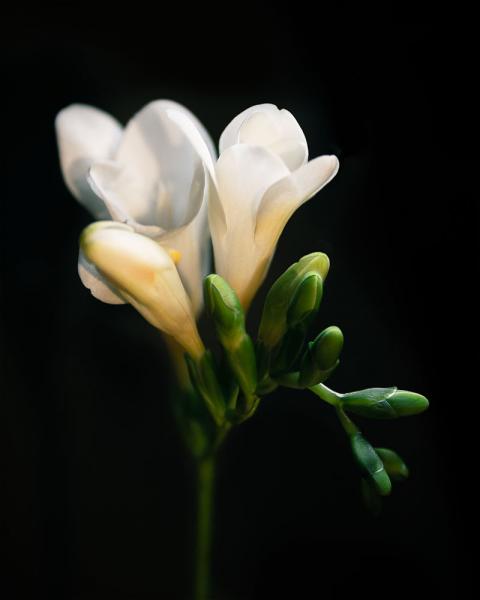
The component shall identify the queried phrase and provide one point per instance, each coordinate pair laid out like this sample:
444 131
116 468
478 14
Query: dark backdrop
95 484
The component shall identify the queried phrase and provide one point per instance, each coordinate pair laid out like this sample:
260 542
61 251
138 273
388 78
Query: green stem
326 394
347 424
205 489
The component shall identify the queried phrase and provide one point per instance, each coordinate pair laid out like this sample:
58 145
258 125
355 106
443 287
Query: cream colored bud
145 275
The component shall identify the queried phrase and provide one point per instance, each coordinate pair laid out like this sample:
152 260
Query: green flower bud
408 403
224 306
306 299
384 403
370 463
274 321
393 464
327 347
229 319
321 357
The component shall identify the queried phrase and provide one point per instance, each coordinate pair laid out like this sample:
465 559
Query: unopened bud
371 464
274 322
306 300
384 403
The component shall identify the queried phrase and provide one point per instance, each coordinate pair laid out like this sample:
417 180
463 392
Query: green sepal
384 403
289 351
370 463
264 357
205 381
195 422
267 386
274 323
242 362
393 463
309 373
306 300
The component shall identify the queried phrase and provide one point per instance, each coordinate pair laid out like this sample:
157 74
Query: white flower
142 272
148 175
262 177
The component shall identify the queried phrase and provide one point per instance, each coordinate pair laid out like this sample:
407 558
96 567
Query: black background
96 486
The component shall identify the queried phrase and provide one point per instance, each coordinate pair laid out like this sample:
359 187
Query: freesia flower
147 175
143 273
262 177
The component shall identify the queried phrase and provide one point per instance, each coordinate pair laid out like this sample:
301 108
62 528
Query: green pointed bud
306 299
274 322
225 308
229 319
393 464
321 357
408 403
327 347
384 403
370 463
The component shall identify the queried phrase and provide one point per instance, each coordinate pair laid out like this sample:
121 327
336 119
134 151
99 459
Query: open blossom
147 175
261 177
143 273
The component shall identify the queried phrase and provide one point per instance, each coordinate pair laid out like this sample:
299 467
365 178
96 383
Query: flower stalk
205 468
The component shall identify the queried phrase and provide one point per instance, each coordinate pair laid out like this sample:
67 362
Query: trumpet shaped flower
262 176
147 175
143 273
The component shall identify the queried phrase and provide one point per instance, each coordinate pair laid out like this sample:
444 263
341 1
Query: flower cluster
159 193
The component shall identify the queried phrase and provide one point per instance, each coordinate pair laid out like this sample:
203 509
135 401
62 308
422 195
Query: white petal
243 174
266 125
193 243
279 132
96 283
127 197
199 138
283 198
230 133
85 135
164 156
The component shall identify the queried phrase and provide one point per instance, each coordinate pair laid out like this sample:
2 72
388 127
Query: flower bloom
262 177
147 175
142 272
